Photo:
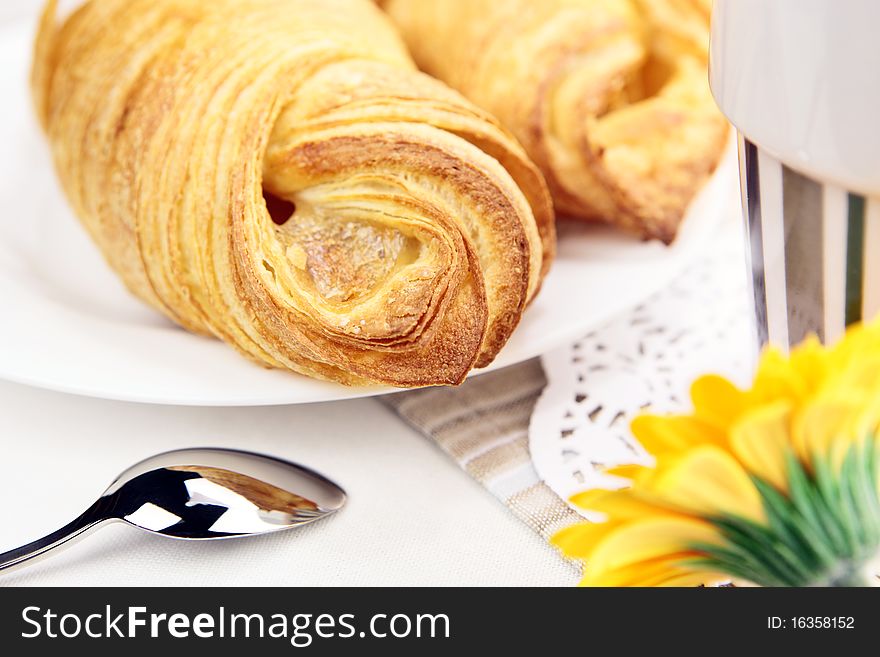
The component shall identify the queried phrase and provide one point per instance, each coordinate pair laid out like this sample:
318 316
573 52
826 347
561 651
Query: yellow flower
776 485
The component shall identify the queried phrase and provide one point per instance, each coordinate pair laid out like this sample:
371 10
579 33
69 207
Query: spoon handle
94 516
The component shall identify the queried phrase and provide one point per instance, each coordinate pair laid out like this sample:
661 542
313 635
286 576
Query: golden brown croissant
277 174
609 97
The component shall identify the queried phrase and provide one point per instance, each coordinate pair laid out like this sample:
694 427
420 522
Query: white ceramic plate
68 324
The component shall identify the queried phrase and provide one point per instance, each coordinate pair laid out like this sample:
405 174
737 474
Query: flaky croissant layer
277 174
609 97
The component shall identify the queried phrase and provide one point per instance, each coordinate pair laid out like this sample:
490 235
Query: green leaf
736 562
763 545
730 568
869 504
850 497
810 503
829 488
795 530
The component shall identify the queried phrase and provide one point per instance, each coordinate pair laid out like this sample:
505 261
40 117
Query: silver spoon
199 494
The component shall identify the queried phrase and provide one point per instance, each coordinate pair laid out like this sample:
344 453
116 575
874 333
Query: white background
413 518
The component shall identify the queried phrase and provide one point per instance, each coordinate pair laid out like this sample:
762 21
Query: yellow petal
717 401
627 473
643 573
862 373
621 505
646 540
860 339
671 570
776 379
590 499
579 541
761 439
708 481
695 578
810 363
660 435
834 421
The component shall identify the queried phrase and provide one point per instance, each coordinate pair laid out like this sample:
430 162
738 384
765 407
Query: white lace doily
643 360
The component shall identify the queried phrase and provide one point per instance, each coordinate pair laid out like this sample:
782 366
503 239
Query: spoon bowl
200 494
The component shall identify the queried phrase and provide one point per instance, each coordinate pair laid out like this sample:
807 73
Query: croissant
609 97
277 174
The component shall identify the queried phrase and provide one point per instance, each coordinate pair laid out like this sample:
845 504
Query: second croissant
609 97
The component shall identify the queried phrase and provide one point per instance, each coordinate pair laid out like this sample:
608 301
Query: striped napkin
484 426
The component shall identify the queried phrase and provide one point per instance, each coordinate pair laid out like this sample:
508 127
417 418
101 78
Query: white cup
800 80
